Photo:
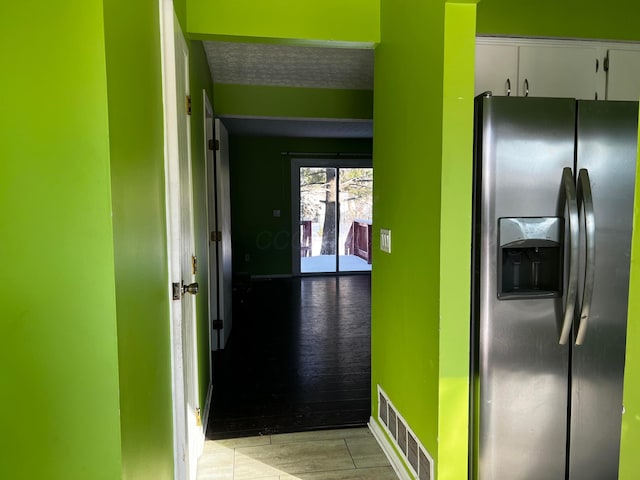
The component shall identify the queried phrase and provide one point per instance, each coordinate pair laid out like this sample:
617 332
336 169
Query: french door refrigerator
553 207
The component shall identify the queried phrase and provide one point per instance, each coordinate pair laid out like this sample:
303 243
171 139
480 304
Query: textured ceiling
293 66
304 128
290 66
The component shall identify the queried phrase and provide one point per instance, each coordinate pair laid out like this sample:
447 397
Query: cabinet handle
508 87
526 87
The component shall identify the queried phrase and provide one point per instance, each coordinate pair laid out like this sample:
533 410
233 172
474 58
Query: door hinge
216 324
194 264
198 417
605 64
176 289
216 236
214 144
188 104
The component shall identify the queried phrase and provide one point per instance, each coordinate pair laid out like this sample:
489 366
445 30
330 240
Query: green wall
629 458
423 138
287 20
200 80
455 239
248 100
137 175
407 161
59 406
616 19
260 178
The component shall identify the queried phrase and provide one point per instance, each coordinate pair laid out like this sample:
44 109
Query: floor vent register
413 452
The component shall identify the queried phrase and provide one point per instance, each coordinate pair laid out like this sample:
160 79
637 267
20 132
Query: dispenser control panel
530 257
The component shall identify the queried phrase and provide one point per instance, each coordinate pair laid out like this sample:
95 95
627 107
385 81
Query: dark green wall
59 405
261 183
138 191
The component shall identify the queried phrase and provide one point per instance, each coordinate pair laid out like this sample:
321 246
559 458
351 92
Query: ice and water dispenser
530 257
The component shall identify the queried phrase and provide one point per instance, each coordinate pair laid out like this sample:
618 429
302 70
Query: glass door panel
355 213
318 219
335 218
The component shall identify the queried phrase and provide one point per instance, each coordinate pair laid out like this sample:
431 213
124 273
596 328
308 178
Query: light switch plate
385 240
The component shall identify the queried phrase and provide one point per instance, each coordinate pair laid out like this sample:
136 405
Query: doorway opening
332 211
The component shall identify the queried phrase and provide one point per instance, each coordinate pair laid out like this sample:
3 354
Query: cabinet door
554 71
496 69
623 77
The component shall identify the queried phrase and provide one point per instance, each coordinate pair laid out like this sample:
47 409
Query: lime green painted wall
180 8
200 80
455 239
615 19
260 183
137 175
629 458
322 20
408 103
423 138
59 407
292 102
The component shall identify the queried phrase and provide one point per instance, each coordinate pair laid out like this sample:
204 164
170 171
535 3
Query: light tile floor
347 454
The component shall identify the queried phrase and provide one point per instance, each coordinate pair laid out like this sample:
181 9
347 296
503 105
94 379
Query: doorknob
192 288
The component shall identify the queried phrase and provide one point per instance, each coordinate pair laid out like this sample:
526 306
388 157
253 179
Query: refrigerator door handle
574 238
585 201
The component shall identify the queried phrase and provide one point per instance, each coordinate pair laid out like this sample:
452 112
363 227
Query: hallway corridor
299 358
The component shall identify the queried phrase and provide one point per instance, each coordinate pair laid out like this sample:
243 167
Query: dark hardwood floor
298 358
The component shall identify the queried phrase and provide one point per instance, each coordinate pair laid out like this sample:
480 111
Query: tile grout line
350 454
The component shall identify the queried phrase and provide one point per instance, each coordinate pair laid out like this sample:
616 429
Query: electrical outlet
385 240
247 257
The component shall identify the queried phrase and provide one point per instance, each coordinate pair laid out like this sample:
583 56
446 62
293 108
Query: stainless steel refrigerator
553 208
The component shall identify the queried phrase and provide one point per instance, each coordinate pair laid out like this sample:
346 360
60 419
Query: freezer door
521 384
606 149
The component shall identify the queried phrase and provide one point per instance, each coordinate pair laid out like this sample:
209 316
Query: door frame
333 161
222 244
209 137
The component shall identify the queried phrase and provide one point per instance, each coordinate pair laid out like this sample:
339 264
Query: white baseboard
396 463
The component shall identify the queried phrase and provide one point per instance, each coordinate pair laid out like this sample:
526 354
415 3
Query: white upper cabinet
623 77
558 71
496 69
557 68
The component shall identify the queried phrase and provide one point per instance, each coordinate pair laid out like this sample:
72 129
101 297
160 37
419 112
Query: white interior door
188 262
188 433
223 238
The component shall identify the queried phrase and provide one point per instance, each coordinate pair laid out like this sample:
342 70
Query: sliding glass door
355 204
334 216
